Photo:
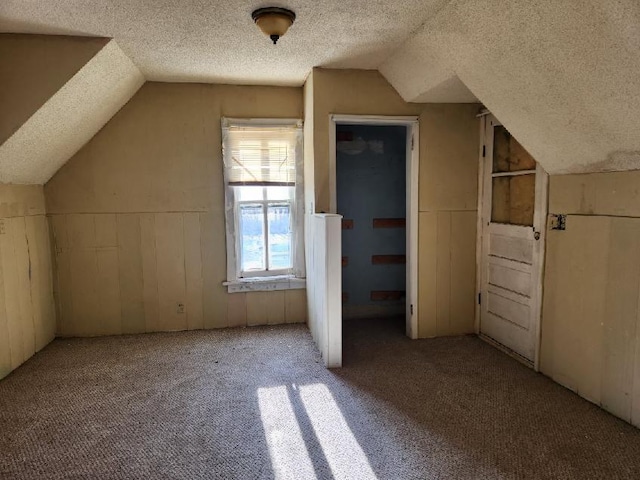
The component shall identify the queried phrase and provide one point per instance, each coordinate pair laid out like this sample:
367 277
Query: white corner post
326 288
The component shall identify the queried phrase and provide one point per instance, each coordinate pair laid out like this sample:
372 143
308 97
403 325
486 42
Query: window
263 196
513 189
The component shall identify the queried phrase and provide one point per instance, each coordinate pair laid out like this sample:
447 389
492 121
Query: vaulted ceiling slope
216 41
562 76
33 68
56 94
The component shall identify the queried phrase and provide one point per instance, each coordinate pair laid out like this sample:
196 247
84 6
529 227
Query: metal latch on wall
557 221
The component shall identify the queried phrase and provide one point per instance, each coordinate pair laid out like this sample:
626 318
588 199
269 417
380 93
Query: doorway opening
371 191
374 186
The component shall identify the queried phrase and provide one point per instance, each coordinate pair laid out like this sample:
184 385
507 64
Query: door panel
510 279
509 310
511 247
513 214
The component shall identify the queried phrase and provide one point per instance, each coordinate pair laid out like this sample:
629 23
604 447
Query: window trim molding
263 281
266 284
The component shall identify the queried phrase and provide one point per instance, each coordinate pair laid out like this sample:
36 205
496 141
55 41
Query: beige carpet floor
256 403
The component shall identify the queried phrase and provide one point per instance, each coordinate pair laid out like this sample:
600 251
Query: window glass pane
252 246
279 219
249 193
508 154
513 199
280 193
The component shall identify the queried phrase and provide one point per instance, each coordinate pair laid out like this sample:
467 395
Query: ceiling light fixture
273 21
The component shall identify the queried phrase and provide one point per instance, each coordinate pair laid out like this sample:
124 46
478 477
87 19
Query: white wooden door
514 210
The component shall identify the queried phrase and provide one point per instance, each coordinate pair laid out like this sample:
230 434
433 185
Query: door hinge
484 151
411 309
412 137
480 299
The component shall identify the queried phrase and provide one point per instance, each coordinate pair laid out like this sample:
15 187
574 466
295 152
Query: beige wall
27 314
138 221
590 320
449 137
448 197
33 68
350 92
138 217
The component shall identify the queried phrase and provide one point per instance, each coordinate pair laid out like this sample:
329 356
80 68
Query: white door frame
480 217
413 164
484 217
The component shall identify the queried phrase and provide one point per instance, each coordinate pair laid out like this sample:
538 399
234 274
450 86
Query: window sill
265 284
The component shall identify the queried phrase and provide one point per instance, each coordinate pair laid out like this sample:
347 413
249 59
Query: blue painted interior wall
371 183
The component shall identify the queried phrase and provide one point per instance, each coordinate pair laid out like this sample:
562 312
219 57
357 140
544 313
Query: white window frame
264 203
293 278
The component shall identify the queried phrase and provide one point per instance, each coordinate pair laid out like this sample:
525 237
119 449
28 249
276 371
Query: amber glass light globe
273 21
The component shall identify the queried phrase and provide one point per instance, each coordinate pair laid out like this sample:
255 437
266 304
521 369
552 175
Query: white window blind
261 155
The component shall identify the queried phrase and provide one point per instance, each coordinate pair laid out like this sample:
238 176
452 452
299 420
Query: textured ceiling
562 76
216 41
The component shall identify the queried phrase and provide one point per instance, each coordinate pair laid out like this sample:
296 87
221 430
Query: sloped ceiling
216 41
83 97
562 76
33 68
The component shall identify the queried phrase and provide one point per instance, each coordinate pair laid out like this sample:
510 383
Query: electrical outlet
180 308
